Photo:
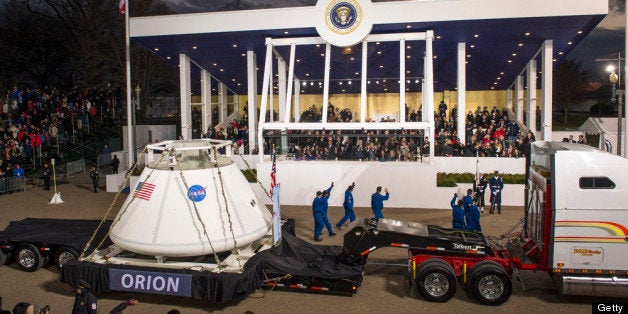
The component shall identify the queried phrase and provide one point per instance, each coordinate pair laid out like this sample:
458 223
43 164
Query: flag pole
129 105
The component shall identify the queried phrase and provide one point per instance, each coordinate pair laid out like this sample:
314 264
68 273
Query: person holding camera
348 205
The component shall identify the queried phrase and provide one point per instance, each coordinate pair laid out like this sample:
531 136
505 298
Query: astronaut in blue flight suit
467 200
472 217
458 214
377 202
319 211
348 205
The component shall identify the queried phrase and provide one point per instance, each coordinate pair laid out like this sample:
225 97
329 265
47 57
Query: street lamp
614 78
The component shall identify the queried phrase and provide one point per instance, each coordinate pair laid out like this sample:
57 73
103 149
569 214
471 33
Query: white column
326 83
206 99
462 91
402 80
429 89
186 96
251 81
264 101
519 99
288 113
297 100
423 101
509 101
271 92
547 81
625 95
281 69
531 96
222 101
363 93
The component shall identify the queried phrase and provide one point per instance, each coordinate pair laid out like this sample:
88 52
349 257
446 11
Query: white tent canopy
606 128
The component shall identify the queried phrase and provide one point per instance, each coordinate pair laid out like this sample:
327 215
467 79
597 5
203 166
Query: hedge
451 179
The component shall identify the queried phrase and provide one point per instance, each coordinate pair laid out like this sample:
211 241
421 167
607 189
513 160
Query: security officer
348 205
94 176
377 202
480 188
46 175
458 214
496 184
85 301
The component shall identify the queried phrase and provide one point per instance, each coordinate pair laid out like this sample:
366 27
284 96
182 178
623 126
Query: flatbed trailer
34 242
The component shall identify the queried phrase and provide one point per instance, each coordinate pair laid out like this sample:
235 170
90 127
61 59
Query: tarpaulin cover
293 256
68 232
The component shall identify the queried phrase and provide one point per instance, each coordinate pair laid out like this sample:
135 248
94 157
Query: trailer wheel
436 281
5 257
489 283
65 254
29 258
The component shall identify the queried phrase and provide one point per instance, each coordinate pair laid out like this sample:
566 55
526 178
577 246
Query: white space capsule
182 205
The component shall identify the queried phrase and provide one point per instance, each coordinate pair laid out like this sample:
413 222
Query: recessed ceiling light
502 73
312 83
384 81
377 43
307 74
408 57
560 52
509 61
317 45
408 47
235 46
466 62
514 54
379 52
499 78
527 33
476 35
494 83
468 56
376 82
322 54
357 73
286 32
194 47
408 72
304 84
222 70
368 82
352 58
349 82
416 81
215 64
298 60
344 90
492 87
408 26
168 58
385 89
239 84
233 80
244 55
554 60
435 57
438 37
580 32
156 49
520 45
340 83
381 66
569 43
472 46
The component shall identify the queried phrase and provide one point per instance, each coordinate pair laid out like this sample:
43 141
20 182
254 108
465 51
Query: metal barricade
12 184
75 167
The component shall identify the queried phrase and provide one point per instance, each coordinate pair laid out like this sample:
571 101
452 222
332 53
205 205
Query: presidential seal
343 16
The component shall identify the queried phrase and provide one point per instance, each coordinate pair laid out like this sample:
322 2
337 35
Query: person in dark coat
496 184
94 176
115 164
84 302
458 214
46 173
377 202
480 188
348 206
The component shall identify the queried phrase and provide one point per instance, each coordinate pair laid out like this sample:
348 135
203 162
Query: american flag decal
144 191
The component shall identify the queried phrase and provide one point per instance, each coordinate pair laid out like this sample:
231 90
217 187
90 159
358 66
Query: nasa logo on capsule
343 17
196 193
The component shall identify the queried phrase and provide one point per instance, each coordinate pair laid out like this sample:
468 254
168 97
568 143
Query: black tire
436 280
489 283
5 257
29 258
65 254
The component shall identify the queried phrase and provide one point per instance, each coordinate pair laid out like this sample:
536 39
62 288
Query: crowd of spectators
34 121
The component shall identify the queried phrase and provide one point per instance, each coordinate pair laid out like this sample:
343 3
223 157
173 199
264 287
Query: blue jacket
458 214
318 205
466 202
18 172
348 199
473 218
325 200
377 200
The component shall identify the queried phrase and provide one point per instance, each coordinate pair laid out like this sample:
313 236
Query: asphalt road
382 291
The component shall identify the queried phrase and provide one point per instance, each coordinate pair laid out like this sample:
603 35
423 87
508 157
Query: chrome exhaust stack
593 286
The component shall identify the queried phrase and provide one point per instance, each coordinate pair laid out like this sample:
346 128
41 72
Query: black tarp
293 256
69 232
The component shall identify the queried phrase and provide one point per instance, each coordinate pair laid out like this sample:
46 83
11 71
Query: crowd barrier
12 184
76 167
